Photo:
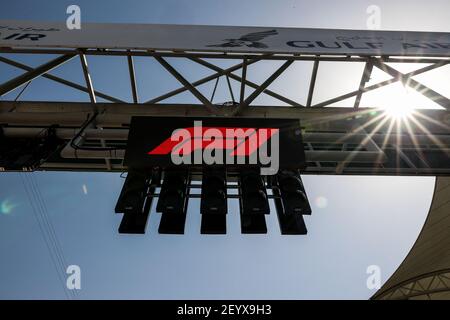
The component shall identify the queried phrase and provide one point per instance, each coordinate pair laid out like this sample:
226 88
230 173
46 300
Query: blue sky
356 221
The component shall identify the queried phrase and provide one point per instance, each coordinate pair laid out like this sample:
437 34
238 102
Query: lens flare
399 112
321 202
7 207
403 106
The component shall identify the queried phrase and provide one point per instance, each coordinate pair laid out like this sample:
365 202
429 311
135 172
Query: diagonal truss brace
406 80
262 87
212 108
60 80
199 82
245 81
405 76
34 73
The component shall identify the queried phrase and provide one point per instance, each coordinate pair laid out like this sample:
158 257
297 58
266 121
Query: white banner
15 34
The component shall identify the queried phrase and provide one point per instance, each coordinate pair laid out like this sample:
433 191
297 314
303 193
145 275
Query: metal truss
431 286
349 140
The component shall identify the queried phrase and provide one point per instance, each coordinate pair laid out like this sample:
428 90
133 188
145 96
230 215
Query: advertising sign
269 144
224 39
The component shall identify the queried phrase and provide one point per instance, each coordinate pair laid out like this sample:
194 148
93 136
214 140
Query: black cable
51 229
49 226
21 91
214 90
85 125
83 128
231 90
44 235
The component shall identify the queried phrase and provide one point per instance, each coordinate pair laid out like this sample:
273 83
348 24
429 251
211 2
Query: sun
402 107
399 112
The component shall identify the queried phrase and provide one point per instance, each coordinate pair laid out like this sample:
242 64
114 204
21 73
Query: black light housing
172 202
135 223
27 154
253 224
254 203
173 192
289 223
291 202
133 194
293 193
253 194
135 201
172 223
213 205
214 224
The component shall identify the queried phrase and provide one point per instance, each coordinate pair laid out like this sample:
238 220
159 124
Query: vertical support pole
243 79
312 83
90 87
132 78
364 79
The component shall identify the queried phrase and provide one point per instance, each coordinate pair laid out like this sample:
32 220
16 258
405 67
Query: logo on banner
222 145
251 40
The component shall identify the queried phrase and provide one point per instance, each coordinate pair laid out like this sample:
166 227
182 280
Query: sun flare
402 107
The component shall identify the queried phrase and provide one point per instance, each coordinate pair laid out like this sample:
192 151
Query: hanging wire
122 174
44 233
231 90
52 233
19 94
81 132
22 91
214 90
51 230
